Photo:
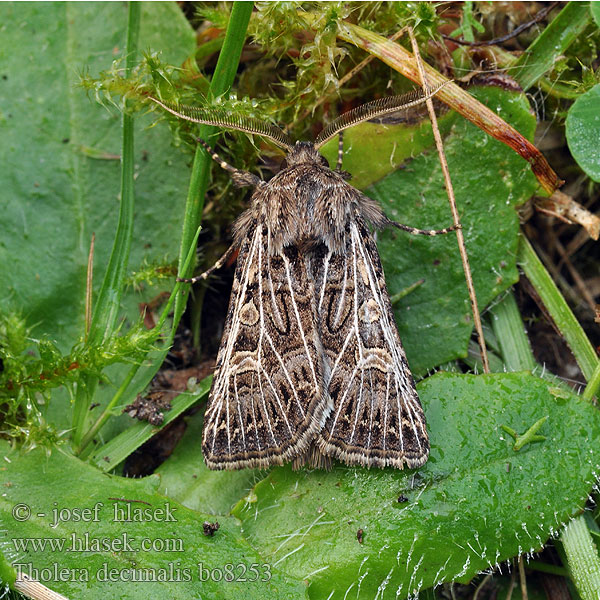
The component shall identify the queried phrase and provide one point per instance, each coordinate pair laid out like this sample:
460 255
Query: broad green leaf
474 504
60 156
185 477
583 132
595 12
372 151
61 175
489 181
176 547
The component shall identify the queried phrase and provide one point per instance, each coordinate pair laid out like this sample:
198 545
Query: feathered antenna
374 109
212 116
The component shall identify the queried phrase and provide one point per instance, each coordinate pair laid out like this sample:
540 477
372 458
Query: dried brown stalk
454 96
452 200
563 207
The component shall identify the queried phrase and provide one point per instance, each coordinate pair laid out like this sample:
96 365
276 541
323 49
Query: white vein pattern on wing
325 271
361 402
400 435
237 399
254 413
224 373
293 300
414 406
385 408
261 313
409 412
372 405
275 311
228 423
262 397
272 386
337 414
270 340
340 354
288 377
387 331
342 299
360 363
352 332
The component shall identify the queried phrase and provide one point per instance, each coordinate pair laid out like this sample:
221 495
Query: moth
311 366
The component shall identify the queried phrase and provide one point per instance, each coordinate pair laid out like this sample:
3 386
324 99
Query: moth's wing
267 399
377 418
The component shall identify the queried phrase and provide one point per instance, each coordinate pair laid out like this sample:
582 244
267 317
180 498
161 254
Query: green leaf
583 132
582 554
595 12
489 181
388 146
62 482
474 504
559 310
111 454
54 193
185 477
539 58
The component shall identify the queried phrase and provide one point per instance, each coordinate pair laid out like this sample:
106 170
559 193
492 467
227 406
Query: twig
481 585
579 282
511 585
563 207
514 33
455 216
522 579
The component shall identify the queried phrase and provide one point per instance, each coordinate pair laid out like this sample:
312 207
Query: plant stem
106 413
536 565
109 300
460 238
591 389
559 310
222 80
583 559
451 94
510 333
538 59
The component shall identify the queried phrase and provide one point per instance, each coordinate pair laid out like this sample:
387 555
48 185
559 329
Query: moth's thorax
306 202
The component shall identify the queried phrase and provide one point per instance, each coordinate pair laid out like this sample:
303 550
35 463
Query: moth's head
304 153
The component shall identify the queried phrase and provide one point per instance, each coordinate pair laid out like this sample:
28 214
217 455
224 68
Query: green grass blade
122 395
582 554
559 310
554 40
221 82
108 304
510 333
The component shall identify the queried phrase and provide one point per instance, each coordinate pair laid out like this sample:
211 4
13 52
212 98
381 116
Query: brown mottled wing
267 399
377 419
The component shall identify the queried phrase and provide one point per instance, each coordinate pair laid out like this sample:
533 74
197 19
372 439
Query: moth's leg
216 266
240 178
429 232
